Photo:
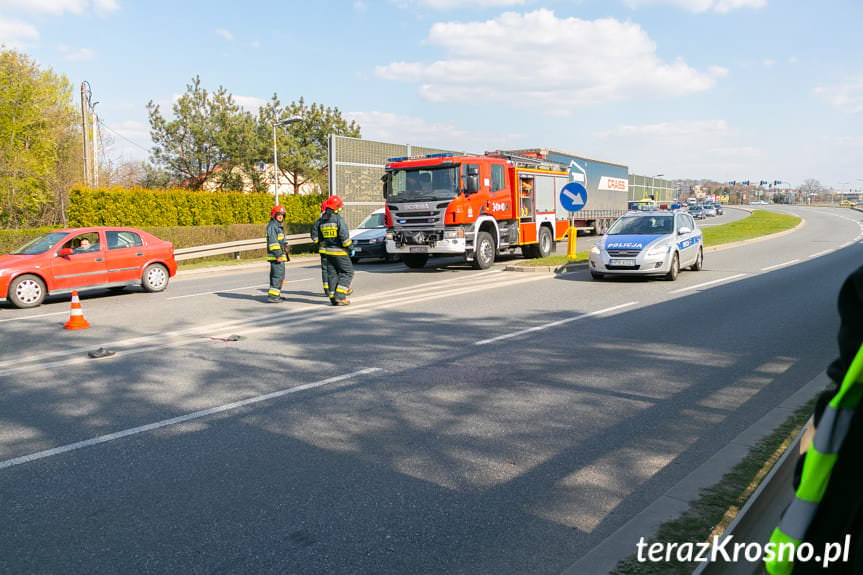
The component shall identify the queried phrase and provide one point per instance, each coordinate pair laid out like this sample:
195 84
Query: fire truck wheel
415 260
546 243
484 253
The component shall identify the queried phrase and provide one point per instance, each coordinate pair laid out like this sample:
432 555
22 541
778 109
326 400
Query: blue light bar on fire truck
422 157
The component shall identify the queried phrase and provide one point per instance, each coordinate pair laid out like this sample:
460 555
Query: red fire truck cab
474 206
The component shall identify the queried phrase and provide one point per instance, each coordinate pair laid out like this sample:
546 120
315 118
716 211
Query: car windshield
373 222
40 245
695 209
642 225
428 183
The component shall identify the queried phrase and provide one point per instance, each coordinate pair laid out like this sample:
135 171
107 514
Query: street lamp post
653 185
285 122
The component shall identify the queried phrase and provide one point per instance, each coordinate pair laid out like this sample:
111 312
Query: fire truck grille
417 219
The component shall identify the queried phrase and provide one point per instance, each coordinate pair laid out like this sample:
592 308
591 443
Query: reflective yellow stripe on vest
817 467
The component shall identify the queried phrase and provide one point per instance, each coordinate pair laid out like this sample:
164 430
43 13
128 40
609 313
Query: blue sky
721 89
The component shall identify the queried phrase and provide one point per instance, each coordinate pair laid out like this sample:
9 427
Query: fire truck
477 206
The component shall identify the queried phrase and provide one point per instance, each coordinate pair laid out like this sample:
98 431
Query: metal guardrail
761 512
234 247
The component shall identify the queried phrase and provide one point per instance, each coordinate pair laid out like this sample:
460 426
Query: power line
116 133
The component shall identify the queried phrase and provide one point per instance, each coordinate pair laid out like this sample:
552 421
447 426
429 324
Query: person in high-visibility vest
277 253
828 501
333 239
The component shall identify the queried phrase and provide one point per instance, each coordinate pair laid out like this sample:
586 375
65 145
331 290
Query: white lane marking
180 419
555 323
235 289
33 316
188 336
705 284
777 266
824 253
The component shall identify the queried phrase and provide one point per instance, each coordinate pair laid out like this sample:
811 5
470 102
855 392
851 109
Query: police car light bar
421 157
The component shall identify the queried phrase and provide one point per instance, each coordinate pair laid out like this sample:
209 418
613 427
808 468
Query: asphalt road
449 421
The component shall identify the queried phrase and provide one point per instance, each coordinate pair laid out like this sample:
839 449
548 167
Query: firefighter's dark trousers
324 277
277 278
340 273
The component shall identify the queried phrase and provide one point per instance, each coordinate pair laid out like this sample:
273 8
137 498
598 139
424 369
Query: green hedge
141 208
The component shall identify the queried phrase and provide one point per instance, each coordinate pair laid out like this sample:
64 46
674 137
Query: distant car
648 243
83 258
697 212
719 210
370 238
758 203
709 210
846 204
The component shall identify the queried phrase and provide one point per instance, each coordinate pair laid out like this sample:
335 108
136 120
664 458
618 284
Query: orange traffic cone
76 315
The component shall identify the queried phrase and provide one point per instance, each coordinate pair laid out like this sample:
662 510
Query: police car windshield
40 245
642 225
423 184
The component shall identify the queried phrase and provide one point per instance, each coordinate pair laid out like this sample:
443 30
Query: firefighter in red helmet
277 253
332 237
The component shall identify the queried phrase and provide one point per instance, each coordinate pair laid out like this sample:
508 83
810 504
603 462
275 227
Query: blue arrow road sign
573 196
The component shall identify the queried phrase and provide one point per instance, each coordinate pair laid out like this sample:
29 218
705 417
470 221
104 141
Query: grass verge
760 223
554 260
718 505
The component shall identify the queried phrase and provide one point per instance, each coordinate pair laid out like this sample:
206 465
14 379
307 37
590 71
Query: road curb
620 544
730 245
545 269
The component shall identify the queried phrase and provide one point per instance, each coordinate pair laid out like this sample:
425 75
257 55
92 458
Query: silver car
648 243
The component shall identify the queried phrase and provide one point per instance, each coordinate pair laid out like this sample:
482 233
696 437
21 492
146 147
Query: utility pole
85 104
95 135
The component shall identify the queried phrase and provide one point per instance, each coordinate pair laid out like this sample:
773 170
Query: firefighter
324 280
331 235
277 253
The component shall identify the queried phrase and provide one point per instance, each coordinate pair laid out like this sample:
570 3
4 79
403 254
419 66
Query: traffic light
763 183
744 183
733 182
777 182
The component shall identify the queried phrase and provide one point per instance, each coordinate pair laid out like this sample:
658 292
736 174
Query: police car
657 243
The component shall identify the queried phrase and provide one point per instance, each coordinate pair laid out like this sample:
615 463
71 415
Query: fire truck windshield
422 184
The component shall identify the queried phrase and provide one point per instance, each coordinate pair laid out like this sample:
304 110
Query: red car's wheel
27 291
155 278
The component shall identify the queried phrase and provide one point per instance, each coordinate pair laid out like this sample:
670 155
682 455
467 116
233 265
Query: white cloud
388 127
681 149
792 59
847 96
768 62
250 103
58 7
360 6
562 63
226 34
702 128
463 4
16 34
73 55
721 6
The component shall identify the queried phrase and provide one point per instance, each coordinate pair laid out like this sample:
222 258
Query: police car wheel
699 261
596 276
674 270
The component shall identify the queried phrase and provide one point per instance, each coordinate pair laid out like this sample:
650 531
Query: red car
78 258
